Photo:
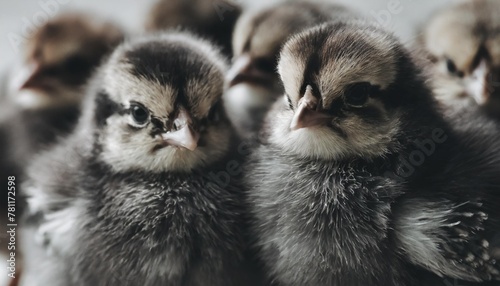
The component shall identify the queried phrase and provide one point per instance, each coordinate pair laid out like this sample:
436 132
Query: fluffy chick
257 41
463 43
213 20
359 180
132 197
44 95
41 99
59 58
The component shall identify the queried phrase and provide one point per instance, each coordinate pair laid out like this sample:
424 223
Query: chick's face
335 78
168 113
463 44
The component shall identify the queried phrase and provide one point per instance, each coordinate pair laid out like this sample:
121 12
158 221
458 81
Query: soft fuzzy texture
155 214
339 213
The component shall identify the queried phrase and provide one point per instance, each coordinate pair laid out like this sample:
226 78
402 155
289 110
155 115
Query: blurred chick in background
45 92
59 58
41 98
213 20
463 43
258 38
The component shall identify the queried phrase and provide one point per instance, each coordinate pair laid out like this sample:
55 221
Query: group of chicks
327 154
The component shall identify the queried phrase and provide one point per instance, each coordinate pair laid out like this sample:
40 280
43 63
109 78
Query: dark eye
357 94
213 114
452 68
450 65
139 113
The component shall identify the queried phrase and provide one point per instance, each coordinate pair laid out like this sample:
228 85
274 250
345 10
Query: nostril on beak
307 113
177 125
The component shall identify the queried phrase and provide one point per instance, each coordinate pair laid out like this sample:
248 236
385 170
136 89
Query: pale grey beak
477 84
244 70
33 78
307 114
185 136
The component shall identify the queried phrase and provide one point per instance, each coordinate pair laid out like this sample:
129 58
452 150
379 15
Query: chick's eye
357 94
450 65
452 68
139 113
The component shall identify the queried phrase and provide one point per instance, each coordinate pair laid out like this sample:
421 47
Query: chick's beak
307 113
244 70
478 85
184 136
32 77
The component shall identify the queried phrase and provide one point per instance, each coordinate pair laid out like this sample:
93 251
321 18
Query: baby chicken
145 191
40 101
45 93
59 58
359 180
463 42
258 38
213 20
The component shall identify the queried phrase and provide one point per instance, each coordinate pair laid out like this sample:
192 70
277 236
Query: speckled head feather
174 81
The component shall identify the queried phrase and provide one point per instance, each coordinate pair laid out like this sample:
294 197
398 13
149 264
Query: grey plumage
130 198
359 180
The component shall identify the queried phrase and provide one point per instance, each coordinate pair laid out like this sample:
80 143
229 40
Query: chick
40 100
145 191
44 94
59 58
359 180
463 43
213 20
258 38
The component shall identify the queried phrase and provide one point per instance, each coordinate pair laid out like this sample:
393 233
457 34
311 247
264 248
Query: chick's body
359 180
129 198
